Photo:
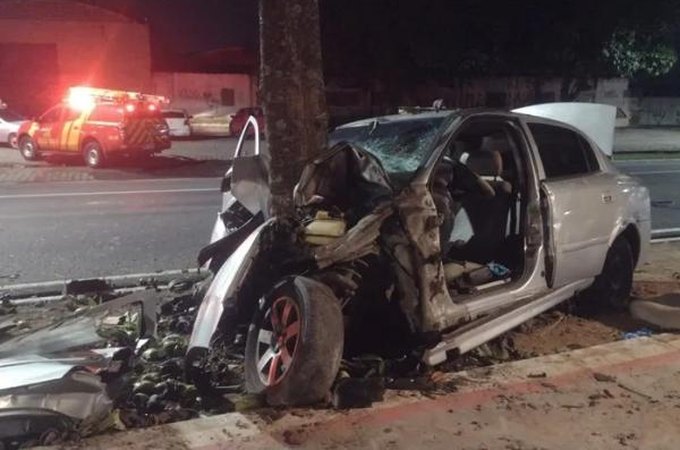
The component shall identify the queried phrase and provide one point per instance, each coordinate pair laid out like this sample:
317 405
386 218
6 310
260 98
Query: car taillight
130 107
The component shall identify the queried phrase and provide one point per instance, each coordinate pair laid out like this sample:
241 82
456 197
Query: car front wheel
612 287
294 343
28 149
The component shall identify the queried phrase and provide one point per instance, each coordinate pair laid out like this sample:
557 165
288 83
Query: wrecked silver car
429 232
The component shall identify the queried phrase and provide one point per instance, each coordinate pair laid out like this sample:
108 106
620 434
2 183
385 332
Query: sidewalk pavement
619 395
640 140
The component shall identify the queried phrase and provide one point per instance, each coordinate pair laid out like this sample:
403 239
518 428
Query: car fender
221 297
635 211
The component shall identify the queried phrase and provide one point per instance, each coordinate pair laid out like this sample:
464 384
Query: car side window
563 152
52 115
72 114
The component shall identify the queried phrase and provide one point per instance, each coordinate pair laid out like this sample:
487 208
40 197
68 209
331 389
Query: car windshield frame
409 167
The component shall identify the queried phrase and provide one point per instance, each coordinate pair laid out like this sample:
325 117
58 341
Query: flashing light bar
85 97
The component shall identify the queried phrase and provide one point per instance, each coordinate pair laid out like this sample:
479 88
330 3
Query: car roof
468 112
392 118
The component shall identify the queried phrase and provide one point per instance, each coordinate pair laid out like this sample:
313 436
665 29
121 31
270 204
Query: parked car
178 122
429 233
9 127
239 120
210 124
97 124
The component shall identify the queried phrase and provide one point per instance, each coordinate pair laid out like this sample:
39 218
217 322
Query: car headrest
485 163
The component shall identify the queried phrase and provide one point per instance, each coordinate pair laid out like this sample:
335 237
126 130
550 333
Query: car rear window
143 110
107 113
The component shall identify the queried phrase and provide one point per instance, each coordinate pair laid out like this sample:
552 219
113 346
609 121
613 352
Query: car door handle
606 198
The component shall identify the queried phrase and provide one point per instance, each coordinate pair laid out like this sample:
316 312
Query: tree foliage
630 53
403 41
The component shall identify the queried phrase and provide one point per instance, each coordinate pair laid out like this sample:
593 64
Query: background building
48 45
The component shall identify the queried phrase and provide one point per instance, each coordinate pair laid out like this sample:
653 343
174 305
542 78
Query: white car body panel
597 121
179 126
7 128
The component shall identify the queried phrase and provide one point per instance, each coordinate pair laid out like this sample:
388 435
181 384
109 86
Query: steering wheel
466 180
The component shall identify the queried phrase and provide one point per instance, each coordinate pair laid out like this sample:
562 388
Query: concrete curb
50 290
477 387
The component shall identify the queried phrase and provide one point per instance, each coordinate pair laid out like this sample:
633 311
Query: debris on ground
662 311
130 349
604 378
642 332
90 286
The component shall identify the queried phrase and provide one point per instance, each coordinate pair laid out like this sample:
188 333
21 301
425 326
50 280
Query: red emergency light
85 97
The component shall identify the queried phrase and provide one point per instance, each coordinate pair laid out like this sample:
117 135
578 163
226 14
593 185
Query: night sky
184 26
414 41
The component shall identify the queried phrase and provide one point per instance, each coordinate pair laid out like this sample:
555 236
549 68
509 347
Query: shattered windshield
400 146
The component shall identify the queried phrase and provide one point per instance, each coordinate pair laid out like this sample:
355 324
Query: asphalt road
52 231
662 177
62 230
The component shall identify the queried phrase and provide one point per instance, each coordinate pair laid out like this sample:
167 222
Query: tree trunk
292 92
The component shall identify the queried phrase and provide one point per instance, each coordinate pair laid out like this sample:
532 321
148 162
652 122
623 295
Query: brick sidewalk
619 395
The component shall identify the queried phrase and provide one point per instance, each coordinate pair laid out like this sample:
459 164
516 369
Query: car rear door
577 200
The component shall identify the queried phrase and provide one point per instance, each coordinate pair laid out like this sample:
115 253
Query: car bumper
156 147
180 132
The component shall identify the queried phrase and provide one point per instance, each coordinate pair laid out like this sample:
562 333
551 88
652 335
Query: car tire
93 154
12 140
28 149
613 286
309 335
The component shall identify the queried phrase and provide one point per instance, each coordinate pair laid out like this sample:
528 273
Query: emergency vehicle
98 124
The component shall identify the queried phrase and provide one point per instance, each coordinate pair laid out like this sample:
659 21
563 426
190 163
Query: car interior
478 189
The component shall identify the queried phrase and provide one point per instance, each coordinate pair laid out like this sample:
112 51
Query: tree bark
292 92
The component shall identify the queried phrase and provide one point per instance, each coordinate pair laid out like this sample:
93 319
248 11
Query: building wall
105 54
656 111
501 92
197 93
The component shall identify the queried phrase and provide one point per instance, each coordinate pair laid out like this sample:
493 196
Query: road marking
89 194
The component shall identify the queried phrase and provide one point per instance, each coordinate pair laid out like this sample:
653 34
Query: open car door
245 197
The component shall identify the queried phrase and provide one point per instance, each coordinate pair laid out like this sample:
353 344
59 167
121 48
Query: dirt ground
572 326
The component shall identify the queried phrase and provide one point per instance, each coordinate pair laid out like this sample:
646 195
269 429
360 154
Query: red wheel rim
277 340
